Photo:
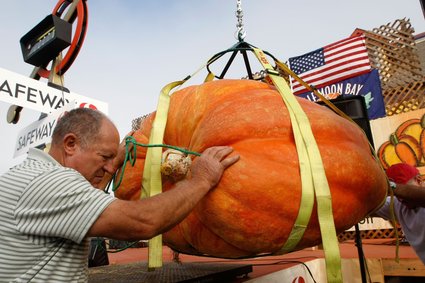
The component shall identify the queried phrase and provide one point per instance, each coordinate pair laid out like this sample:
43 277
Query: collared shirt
46 212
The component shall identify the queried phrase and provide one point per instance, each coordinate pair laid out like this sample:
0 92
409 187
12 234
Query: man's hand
209 167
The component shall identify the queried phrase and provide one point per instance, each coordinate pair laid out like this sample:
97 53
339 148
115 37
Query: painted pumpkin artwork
405 145
254 207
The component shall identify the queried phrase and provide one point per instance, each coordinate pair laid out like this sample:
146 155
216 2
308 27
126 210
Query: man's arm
414 195
146 218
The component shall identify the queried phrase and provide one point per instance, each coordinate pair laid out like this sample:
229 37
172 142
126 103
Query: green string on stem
130 155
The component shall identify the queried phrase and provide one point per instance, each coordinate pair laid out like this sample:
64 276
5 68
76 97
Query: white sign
315 271
373 223
30 93
40 132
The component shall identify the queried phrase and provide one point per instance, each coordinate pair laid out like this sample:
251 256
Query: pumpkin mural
253 208
405 145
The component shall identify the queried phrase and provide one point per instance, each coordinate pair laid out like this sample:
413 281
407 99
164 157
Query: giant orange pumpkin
254 207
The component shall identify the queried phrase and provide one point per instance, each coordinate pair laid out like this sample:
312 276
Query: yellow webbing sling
151 184
288 71
312 172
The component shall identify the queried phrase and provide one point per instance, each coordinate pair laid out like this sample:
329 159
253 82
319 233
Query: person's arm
414 195
146 218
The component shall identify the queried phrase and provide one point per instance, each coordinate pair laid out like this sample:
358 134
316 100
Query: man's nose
109 166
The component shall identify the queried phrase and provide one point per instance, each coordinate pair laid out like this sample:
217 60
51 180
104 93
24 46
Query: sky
133 48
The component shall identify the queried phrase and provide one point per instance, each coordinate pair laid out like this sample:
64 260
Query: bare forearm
412 194
146 218
169 208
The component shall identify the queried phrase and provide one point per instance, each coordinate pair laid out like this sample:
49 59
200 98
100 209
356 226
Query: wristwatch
393 185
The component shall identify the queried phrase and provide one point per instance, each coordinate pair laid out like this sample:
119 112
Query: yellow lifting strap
151 183
308 153
288 71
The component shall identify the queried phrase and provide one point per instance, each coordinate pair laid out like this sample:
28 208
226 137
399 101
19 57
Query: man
50 205
409 204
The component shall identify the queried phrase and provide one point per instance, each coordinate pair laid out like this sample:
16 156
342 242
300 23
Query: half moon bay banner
367 85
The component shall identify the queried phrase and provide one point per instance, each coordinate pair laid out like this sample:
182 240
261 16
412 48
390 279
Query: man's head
402 173
87 141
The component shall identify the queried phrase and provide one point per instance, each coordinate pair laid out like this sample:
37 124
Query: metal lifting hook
241 47
240 32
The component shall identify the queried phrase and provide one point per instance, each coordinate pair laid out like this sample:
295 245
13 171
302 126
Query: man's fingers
223 152
230 161
218 152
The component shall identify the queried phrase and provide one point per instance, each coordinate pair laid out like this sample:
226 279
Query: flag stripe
340 76
361 59
347 53
337 61
338 66
345 42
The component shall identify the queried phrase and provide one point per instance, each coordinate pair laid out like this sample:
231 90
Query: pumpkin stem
394 139
175 165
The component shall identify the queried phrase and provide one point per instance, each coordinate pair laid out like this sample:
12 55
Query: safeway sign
33 94
40 132
30 93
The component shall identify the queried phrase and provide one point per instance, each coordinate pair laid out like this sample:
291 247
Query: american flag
335 62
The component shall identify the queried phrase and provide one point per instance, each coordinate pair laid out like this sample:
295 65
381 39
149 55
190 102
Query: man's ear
70 143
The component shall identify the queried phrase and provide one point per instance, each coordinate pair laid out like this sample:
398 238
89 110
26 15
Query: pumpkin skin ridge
203 90
227 236
200 146
191 248
230 250
238 198
319 117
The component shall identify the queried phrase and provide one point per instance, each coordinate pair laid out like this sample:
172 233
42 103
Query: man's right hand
209 167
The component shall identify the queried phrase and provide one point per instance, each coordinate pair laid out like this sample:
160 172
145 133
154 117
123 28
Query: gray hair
85 123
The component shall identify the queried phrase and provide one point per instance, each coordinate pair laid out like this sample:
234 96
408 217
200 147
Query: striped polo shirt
45 213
